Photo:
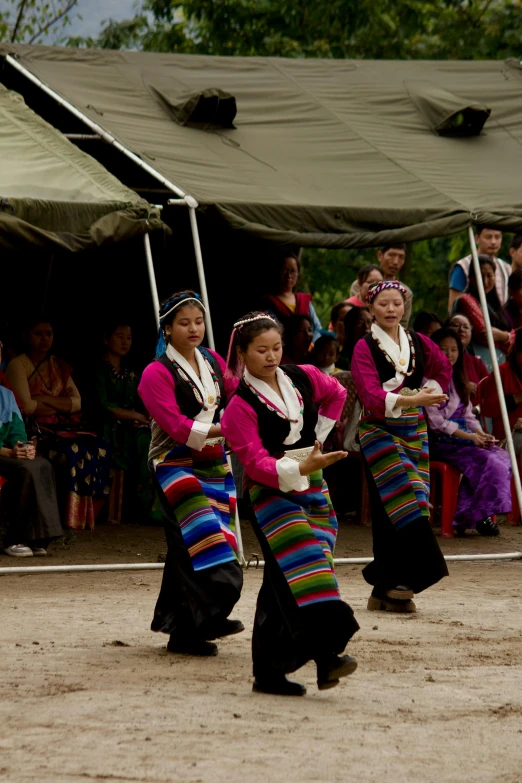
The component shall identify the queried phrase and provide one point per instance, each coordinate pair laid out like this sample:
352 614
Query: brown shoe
389 605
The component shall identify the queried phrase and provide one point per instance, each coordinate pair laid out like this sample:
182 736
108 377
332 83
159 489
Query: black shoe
224 628
198 647
278 686
486 527
459 531
329 672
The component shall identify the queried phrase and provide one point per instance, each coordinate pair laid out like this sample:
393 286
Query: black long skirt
285 635
28 500
191 602
409 556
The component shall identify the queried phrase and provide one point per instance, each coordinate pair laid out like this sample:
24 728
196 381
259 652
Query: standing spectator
515 251
391 260
426 323
282 301
469 305
513 308
488 242
474 367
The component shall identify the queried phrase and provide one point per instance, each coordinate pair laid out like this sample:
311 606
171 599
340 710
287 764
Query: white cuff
392 411
289 476
198 435
435 385
323 428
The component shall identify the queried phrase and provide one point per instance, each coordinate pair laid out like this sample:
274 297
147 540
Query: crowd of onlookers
97 444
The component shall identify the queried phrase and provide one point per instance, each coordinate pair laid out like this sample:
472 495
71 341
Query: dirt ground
89 693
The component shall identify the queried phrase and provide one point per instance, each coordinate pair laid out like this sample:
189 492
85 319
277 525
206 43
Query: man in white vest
488 242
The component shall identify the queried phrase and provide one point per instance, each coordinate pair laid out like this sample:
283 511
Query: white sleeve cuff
391 406
289 476
435 385
198 435
323 428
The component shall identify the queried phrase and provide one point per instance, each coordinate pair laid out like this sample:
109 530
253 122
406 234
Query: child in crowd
457 439
426 323
325 353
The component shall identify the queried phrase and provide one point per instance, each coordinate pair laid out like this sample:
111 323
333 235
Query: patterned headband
384 285
258 317
183 301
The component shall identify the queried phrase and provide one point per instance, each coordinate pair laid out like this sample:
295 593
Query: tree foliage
30 21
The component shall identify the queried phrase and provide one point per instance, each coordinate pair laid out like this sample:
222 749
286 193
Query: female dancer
388 368
273 424
184 392
456 438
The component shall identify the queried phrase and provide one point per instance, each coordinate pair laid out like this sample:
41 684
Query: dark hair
34 320
480 227
336 309
364 272
394 246
351 320
516 242
424 319
274 267
459 372
243 335
496 313
515 280
168 304
322 342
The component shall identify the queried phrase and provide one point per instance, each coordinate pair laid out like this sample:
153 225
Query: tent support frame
110 139
494 362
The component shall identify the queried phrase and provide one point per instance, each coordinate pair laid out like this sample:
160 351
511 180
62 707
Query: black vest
387 371
273 430
185 397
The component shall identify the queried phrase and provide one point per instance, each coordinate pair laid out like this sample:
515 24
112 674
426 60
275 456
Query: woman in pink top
184 391
274 423
367 276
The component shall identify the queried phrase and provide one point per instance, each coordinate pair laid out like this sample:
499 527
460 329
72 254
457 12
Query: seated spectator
366 276
391 259
357 323
489 241
28 498
125 424
48 396
474 367
297 340
457 439
513 308
336 324
325 353
426 323
511 377
515 251
282 301
469 305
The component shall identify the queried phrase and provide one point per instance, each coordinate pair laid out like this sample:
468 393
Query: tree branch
19 17
69 6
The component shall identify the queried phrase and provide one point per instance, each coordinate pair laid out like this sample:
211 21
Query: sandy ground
89 693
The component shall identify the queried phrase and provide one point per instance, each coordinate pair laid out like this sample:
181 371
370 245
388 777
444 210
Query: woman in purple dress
457 439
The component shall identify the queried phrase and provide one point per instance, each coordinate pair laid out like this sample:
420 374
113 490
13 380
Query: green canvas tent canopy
53 195
331 153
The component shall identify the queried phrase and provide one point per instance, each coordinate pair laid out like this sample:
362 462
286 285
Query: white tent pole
192 204
152 279
71 569
494 362
107 137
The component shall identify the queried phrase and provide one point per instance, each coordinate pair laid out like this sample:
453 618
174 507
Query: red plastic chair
446 479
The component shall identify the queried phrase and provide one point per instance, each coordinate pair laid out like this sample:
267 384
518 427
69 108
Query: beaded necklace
271 407
195 390
402 361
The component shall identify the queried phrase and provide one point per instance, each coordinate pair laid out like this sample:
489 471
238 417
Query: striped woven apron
201 492
397 454
301 529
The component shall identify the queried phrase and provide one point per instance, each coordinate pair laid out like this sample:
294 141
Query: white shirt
206 387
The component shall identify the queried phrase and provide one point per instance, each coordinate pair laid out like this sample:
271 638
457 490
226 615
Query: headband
185 300
384 285
258 317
